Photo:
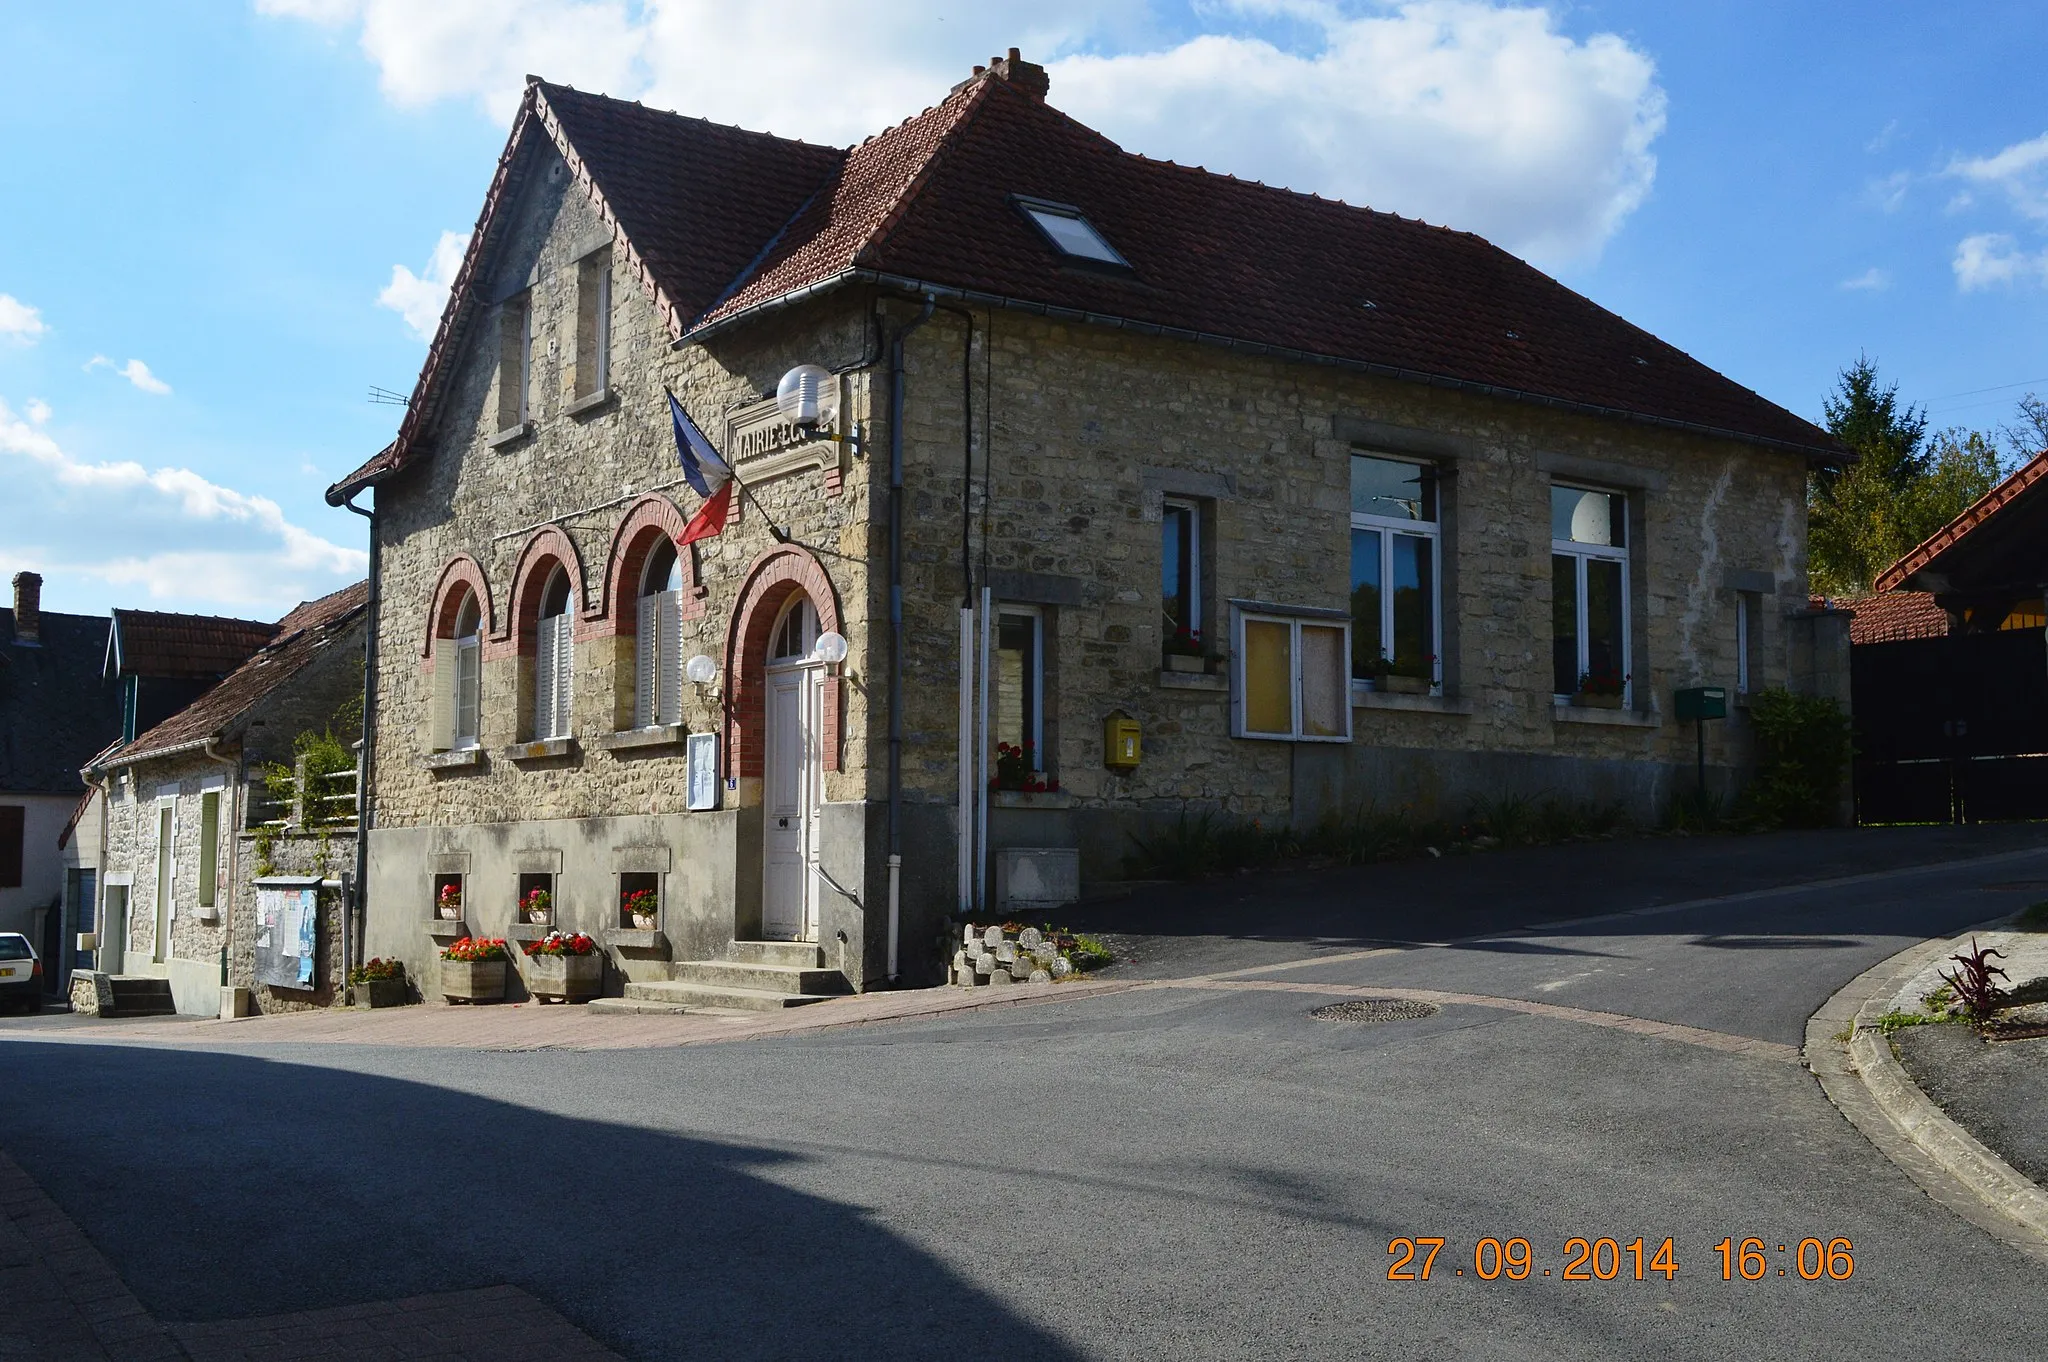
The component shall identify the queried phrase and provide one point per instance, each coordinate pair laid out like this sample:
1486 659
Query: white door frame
809 792
164 906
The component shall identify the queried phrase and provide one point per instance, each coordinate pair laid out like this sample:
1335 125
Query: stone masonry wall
1090 424
583 471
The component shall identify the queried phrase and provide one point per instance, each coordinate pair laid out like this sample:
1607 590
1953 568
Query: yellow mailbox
1121 747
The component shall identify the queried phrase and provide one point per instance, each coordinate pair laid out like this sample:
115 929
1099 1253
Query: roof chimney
1027 76
28 607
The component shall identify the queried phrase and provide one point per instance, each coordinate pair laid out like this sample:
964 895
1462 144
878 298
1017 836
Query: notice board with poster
288 931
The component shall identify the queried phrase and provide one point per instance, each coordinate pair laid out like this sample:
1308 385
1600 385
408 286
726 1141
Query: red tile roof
169 646
928 205
1928 554
1893 616
300 637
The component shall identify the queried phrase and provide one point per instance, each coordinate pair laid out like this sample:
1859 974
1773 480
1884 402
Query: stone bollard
1039 976
992 938
1030 939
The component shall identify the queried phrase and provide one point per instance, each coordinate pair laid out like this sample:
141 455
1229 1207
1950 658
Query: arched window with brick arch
547 596
457 718
658 638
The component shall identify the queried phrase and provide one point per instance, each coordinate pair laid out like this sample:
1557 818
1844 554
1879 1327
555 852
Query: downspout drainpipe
365 758
895 826
234 799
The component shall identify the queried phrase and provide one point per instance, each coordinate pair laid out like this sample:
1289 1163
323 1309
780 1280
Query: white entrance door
166 869
790 799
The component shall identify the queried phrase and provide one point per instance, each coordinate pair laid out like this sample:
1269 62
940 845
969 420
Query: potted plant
1017 771
1369 666
536 907
641 905
564 966
1410 675
379 983
448 903
473 970
1601 690
1183 651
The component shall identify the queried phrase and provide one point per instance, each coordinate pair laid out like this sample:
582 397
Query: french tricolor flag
705 471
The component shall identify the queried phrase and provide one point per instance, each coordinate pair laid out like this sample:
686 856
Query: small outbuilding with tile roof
1132 490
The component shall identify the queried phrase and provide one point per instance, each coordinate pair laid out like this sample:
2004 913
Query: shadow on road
1424 901
222 1186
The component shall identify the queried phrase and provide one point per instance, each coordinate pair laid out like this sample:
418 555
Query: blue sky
206 202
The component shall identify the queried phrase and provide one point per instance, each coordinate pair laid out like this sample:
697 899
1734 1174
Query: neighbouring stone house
1129 489
55 712
190 825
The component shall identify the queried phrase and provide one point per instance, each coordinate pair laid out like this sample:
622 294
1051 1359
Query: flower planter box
565 978
1585 701
473 981
450 912
1181 662
381 993
1405 685
643 922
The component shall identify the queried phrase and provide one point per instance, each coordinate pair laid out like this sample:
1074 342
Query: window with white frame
658 646
209 846
1396 609
554 659
1180 579
1017 708
1290 681
1746 606
458 679
1589 592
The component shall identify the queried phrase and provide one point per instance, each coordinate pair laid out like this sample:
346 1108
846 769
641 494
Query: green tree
1901 488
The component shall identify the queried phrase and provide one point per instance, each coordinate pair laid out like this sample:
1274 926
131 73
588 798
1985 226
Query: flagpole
780 536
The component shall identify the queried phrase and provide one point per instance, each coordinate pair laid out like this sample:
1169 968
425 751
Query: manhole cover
1375 1010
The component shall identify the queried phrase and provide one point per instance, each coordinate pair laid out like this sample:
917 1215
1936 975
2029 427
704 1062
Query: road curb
1873 1090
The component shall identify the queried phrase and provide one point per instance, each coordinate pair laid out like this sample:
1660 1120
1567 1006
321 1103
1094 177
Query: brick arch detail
547 546
460 571
770 581
631 543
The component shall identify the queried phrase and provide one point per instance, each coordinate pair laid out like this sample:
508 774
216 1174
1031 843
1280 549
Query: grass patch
2033 918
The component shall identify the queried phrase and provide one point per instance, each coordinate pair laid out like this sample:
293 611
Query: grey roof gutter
1818 454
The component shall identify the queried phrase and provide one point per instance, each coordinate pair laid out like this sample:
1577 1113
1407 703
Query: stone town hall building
1194 492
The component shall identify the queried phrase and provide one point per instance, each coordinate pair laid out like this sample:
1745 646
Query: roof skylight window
1070 233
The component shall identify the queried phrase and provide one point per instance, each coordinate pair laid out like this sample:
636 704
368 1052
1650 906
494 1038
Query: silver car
21 973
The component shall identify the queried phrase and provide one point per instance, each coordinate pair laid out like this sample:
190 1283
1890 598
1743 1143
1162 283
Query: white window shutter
646 649
441 708
565 674
467 685
670 660
544 678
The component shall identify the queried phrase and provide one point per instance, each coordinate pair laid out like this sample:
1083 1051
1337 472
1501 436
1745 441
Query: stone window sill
447 926
1193 681
643 739
511 435
583 405
633 939
461 758
1415 704
528 931
1611 718
541 749
1023 799
206 916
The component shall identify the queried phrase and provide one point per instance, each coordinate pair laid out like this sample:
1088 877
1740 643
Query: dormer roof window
1070 233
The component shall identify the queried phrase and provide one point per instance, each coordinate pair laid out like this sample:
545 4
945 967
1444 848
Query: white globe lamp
805 395
701 670
830 648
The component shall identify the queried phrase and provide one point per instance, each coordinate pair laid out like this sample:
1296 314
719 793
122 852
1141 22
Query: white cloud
2021 170
38 410
19 322
135 371
1992 258
167 535
1482 116
1873 280
1883 138
1888 193
420 298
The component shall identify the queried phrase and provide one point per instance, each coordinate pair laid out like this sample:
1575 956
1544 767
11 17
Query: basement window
1070 233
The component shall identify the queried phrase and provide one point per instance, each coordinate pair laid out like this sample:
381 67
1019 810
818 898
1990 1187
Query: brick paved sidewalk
62 1301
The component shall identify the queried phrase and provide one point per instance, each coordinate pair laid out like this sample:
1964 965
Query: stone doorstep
699 997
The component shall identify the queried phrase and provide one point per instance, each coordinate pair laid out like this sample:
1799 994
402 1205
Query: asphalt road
1171 1171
